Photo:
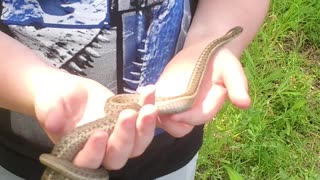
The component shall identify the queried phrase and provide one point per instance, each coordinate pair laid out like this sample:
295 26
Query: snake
59 161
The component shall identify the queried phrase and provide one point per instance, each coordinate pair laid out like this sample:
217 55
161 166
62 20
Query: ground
278 137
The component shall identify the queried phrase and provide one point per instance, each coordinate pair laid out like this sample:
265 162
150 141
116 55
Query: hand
67 101
223 78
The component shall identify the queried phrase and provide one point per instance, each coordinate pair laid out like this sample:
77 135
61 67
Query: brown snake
59 162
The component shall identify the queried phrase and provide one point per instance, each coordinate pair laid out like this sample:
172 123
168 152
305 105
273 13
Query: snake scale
59 162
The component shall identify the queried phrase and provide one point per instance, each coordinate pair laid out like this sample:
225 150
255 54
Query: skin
61 101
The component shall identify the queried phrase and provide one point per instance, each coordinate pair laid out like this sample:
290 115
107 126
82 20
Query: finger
175 129
235 81
206 106
55 122
121 141
97 97
146 124
92 154
147 94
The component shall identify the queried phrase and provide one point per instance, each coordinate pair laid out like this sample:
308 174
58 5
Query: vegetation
279 136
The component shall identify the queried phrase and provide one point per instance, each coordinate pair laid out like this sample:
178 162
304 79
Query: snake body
59 162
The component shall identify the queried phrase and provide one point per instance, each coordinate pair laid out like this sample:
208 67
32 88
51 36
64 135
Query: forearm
213 18
21 71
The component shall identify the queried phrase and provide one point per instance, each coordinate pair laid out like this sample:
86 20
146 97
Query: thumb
235 81
59 107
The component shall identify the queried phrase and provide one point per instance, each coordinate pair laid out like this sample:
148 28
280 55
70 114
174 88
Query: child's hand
66 102
223 78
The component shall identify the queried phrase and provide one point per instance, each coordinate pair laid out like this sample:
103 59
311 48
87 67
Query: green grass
279 136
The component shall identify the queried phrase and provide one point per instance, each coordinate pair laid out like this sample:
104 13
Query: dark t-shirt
122 44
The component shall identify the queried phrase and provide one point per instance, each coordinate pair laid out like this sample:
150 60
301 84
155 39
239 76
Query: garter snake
59 162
